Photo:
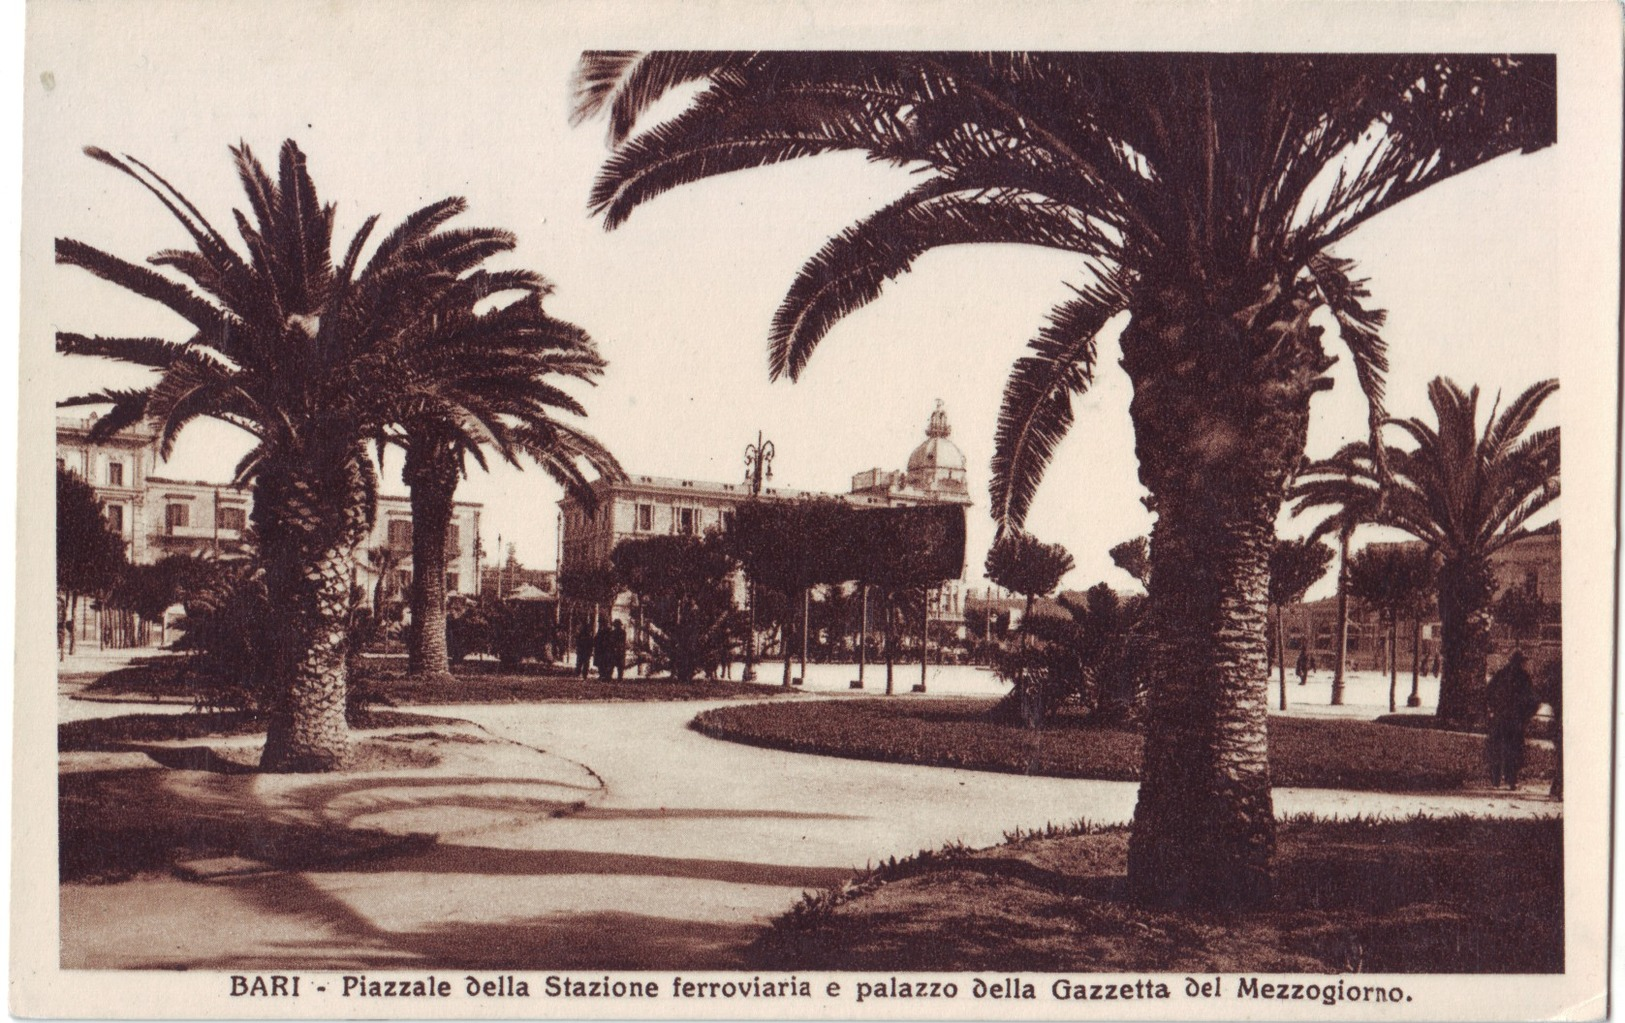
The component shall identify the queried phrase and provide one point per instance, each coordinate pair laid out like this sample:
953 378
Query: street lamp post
758 466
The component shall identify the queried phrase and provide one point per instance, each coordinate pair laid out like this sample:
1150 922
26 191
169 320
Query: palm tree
303 352
494 386
1466 495
1340 482
1295 565
1201 194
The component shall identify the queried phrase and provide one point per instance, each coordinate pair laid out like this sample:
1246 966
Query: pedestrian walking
584 649
617 650
1303 666
1512 702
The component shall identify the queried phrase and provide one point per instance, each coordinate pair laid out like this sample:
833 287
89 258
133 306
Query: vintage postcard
839 510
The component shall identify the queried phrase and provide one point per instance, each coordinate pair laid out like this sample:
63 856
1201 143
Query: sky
457 99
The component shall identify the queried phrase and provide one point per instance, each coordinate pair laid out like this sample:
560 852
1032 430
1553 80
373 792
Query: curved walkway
694 844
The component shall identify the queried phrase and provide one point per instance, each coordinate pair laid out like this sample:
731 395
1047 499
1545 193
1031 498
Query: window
646 517
727 519
115 474
400 533
685 521
177 516
115 518
232 517
451 582
453 546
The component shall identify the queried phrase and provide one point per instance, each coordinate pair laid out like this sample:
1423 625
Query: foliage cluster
1091 660
684 592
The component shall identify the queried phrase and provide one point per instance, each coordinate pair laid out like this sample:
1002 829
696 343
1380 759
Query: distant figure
602 647
617 650
584 649
1303 666
1512 702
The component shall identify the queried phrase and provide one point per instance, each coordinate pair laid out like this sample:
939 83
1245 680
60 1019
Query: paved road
692 846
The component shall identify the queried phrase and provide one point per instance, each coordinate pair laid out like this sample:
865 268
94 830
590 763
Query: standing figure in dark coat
1303 666
1512 702
603 648
584 649
617 650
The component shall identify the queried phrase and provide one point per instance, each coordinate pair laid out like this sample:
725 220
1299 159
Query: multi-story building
158 516
653 505
1534 564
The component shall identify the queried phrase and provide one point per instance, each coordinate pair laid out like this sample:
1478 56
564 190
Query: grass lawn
1309 752
473 682
112 733
1445 895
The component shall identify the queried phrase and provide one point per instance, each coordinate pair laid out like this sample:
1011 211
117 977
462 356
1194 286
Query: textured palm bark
1466 590
312 515
431 476
1220 412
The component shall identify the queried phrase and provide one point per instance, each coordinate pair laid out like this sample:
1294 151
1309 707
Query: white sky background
679 298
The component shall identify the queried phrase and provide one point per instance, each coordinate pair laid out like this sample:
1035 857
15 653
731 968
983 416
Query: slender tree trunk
888 642
1415 699
1343 537
863 636
431 475
1221 411
1393 661
1280 648
925 636
1466 589
806 621
784 641
312 514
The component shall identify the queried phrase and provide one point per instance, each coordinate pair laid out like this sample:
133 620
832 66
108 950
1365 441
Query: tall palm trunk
1220 414
1466 590
1344 535
431 474
312 515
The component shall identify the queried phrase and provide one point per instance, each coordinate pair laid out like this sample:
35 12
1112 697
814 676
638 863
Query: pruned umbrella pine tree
1295 565
305 353
495 385
1201 194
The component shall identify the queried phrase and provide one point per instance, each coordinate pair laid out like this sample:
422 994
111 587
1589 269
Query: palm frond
852 268
1036 412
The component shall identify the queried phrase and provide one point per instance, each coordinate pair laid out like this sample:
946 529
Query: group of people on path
604 650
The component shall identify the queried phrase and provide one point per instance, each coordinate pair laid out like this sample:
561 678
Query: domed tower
937 465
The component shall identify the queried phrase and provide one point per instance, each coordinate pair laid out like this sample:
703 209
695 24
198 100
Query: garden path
693 845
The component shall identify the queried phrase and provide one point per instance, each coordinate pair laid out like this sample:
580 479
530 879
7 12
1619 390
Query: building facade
158 516
643 506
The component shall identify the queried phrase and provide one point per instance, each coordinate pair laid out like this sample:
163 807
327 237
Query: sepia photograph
842 511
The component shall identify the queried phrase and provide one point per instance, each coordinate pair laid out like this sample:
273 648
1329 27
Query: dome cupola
938 458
